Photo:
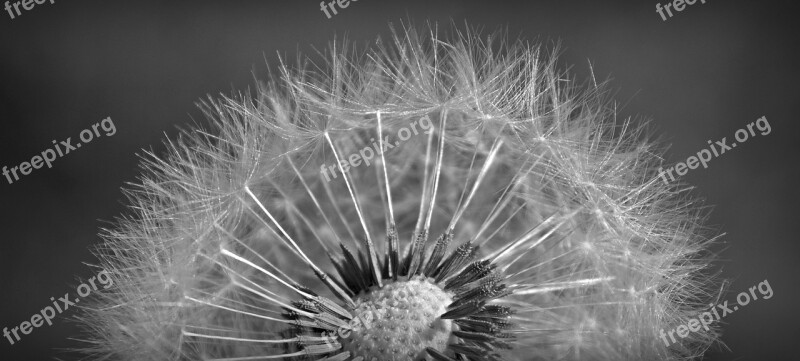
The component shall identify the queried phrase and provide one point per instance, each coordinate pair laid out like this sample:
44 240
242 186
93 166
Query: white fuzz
517 195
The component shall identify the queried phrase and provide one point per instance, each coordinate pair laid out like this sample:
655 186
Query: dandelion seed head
524 223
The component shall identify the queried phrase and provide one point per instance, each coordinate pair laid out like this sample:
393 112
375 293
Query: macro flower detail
412 309
526 223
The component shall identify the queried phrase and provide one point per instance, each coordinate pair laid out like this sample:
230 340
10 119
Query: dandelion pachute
518 222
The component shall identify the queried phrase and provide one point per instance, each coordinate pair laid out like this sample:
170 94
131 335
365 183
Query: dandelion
525 224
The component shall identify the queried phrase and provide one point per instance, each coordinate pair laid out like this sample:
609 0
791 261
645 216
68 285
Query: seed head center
399 321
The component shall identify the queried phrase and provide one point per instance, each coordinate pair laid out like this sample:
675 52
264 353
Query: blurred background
702 74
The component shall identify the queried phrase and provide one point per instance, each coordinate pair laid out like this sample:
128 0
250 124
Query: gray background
701 75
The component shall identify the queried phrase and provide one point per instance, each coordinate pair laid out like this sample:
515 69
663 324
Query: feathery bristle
456 184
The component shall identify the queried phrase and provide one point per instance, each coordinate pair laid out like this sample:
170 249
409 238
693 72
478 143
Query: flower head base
400 320
557 239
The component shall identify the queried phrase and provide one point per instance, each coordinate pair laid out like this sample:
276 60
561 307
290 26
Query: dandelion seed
525 225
